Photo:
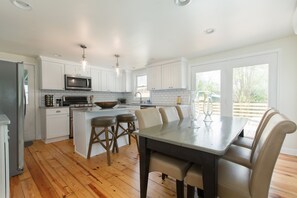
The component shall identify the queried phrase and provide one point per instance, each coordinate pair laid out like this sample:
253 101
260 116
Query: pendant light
294 22
117 65
182 2
83 61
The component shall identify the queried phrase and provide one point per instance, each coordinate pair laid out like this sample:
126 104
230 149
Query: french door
243 87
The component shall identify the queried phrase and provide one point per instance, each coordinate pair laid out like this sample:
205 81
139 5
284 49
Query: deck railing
248 110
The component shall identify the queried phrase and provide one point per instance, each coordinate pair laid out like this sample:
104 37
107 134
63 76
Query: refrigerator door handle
25 101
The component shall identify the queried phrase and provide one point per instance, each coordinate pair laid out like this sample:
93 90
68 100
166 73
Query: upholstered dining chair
169 114
248 142
184 111
237 181
159 162
243 155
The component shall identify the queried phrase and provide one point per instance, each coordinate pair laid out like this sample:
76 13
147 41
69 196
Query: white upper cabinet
154 78
96 79
127 81
174 76
52 75
77 70
168 75
108 80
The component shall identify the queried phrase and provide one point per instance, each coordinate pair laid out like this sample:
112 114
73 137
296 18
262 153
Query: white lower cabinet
55 124
4 157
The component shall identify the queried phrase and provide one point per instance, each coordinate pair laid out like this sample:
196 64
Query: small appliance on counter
122 100
58 102
49 100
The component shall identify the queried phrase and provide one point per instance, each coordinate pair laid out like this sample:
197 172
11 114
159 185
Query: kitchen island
82 128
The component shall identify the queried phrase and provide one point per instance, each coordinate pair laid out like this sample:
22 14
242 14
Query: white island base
82 129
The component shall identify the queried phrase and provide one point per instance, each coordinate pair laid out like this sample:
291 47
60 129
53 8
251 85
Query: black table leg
241 133
144 166
210 176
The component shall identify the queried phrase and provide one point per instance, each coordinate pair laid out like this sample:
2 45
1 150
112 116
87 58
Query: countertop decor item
207 107
106 105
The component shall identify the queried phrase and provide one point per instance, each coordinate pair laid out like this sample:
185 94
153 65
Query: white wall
287 77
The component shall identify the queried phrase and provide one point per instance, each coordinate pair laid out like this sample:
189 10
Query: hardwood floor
54 170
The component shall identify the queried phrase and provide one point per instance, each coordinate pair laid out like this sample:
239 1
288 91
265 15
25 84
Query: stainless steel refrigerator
12 103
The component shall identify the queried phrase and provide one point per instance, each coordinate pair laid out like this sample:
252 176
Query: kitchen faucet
140 101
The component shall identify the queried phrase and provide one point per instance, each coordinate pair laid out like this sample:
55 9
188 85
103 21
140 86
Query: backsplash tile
98 96
169 97
166 97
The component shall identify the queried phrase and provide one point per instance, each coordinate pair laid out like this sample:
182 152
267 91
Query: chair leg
107 146
179 189
91 142
115 147
200 192
190 191
129 132
164 176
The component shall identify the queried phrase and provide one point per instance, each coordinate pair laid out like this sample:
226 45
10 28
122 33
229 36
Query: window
141 86
243 87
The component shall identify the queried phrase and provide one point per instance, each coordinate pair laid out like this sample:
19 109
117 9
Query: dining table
195 141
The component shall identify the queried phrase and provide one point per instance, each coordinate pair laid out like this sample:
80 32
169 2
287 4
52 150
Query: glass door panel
250 94
208 84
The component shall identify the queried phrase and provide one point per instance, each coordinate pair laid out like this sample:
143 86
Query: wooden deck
54 170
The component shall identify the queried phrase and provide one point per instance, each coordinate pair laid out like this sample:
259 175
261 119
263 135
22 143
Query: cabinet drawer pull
58 111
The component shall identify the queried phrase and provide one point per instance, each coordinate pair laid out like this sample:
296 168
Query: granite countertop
150 104
54 107
98 109
4 119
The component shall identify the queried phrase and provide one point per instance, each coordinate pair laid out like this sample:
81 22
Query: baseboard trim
289 151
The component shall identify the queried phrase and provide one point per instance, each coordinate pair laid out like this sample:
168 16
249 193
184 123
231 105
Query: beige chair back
265 118
266 153
169 114
148 118
184 111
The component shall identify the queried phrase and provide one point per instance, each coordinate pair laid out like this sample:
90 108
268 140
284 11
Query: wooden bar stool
105 122
129 119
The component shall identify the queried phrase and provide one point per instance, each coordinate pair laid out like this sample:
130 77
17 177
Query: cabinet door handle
58 111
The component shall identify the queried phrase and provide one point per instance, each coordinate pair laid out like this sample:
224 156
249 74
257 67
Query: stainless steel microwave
78 83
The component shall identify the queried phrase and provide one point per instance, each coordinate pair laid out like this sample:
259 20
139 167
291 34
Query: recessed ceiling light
209 31
21 4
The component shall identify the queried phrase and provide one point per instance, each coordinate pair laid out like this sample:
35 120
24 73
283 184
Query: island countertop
98 109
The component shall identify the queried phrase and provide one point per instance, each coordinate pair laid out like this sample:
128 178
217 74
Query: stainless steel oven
78 83
75 102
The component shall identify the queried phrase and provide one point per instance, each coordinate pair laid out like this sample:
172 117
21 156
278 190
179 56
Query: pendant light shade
117 68
294 21
83 61
182 2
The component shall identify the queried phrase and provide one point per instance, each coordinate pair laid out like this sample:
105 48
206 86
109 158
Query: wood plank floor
54 170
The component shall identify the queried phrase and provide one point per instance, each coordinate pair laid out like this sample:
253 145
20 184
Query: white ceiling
141 31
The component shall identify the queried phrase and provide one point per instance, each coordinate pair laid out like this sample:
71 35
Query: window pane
250 94
141 81
141 86
208 84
